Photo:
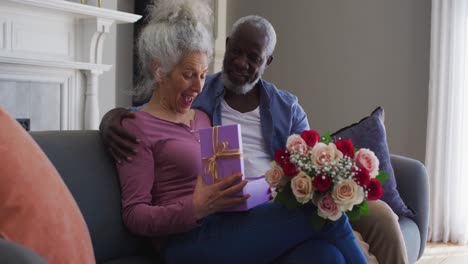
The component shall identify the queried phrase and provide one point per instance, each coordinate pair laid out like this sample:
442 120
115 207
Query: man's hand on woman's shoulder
116 138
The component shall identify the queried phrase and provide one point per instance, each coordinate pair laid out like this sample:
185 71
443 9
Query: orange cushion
36 208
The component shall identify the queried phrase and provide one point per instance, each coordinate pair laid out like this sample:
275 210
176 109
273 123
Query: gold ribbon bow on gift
220 151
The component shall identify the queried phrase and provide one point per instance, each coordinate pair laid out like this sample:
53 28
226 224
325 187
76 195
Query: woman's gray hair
174 29
262 25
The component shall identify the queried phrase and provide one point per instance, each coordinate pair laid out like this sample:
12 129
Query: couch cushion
36 208
11 252
412 238
90 174
370 133
134 260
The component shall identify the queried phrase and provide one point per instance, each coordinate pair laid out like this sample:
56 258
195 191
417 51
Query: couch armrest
12 253
413 186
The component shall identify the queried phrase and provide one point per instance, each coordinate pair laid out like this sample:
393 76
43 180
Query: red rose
322 182
374 190
362 176
346 147
311 137
290 169
281 156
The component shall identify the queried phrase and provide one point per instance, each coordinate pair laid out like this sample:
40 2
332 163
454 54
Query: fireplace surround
51 60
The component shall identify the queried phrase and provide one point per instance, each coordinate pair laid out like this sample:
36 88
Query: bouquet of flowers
333 175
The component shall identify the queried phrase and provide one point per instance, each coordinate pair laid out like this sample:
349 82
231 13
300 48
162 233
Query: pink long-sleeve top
157 186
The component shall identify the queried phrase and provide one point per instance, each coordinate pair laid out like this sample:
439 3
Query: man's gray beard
238 89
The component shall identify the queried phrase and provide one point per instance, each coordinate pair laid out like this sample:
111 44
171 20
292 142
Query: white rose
347 193
366 158
322 153
275 176
302 187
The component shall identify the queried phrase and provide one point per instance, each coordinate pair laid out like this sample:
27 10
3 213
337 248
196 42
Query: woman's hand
209 199
120 142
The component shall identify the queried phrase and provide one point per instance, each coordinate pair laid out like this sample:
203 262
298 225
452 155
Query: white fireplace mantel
60 37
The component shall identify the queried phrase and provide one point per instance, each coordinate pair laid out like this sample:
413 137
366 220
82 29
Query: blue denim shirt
280 112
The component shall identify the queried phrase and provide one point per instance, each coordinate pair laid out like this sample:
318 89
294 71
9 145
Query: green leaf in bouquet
285 196
364 208
317 221
326 138
382 177
354 214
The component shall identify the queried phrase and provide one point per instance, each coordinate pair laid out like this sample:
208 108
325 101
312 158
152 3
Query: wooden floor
436 253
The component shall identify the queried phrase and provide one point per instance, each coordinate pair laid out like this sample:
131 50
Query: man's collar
219 89
264 92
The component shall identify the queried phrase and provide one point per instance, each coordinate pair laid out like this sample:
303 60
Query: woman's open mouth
188 100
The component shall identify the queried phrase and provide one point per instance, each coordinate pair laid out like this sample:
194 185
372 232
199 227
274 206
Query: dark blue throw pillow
370 133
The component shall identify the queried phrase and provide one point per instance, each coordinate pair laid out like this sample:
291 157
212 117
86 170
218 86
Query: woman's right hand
120 142
209 199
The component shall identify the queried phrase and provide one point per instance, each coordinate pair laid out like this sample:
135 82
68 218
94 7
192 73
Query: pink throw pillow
36 208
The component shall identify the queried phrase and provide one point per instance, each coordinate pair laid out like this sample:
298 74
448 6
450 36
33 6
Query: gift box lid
221 151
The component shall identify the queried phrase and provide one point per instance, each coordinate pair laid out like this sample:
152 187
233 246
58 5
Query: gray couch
90 174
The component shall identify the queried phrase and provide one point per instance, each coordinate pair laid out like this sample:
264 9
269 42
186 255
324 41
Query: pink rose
275 176
302 188
296 144
323 154
366 158
347 193
328 209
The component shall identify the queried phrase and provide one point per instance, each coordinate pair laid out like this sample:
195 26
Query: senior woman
163 198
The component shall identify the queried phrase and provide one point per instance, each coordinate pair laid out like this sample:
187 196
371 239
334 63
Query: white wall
124 58
118 51
343 58
107 79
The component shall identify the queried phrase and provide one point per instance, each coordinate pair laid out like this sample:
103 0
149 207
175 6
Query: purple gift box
221 151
